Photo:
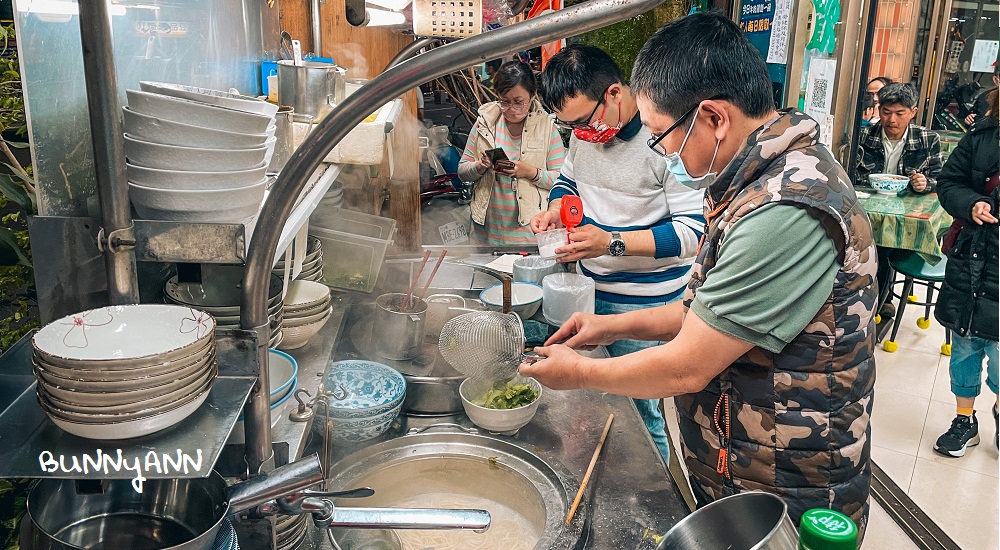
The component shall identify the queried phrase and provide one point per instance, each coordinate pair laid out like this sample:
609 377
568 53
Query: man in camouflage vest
771 353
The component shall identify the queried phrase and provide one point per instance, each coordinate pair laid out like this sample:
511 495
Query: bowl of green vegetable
502 407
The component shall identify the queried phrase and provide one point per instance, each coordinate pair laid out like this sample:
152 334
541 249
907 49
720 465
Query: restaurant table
908 222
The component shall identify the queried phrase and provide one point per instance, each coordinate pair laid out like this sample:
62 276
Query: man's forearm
652 324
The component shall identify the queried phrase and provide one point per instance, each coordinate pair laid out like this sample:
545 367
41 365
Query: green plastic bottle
825 529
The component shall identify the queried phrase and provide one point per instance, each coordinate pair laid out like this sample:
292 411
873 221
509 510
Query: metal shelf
26 432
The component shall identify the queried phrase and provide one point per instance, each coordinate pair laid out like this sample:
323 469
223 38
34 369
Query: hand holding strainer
487 345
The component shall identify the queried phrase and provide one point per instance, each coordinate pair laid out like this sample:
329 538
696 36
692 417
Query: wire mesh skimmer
487 345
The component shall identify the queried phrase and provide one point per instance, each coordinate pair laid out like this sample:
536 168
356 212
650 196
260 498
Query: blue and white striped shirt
625 186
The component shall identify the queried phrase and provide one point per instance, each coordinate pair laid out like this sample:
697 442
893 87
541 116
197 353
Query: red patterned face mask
599 131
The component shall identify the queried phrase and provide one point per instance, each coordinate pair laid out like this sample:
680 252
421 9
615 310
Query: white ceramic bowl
146 154
888 184
111 429
168 132
195 384
202 205
243 103
282 371
142 332
196 113
303 321
90 380
499 421
99 393
176 179
525 298
320 307
297 336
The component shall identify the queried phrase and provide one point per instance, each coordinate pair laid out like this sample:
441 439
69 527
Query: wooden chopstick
433 273
590 470
413 283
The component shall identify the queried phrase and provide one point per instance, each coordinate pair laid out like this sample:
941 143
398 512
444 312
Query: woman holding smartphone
512 158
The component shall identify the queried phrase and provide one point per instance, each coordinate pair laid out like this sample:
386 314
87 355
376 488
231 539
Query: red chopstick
433 273
413 283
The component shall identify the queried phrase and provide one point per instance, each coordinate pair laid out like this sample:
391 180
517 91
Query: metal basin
527 497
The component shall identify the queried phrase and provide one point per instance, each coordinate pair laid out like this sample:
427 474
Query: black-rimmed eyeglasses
583 123
654 142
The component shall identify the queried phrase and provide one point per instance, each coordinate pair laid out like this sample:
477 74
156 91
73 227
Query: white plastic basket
447 18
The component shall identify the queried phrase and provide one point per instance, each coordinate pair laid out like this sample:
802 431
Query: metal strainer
487 345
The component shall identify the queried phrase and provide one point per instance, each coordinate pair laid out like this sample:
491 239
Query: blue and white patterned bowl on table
888 184
373 397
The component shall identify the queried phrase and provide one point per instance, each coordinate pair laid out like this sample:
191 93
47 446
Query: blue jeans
649 409
966 365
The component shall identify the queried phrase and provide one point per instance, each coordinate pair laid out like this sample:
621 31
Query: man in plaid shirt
894 146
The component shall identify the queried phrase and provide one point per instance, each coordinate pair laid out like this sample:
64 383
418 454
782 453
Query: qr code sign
819 93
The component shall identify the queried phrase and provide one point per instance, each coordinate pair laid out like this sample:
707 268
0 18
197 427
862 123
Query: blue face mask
676 166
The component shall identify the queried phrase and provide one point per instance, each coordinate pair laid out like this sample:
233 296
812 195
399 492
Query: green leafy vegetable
507 396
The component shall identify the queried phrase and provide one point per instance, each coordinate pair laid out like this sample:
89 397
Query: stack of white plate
220 293
196 154
125 371
312 264
306 310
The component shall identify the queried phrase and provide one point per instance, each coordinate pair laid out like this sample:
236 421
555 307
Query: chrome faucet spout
406 518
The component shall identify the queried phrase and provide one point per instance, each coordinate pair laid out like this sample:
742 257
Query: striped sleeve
565 184
467 165
553 162
686 222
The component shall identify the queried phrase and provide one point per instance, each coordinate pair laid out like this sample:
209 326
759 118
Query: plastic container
532 269
564 294
549 241
355 244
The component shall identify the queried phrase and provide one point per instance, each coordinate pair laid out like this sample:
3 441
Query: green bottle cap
824 529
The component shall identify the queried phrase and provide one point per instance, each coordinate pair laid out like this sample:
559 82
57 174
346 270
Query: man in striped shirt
641 227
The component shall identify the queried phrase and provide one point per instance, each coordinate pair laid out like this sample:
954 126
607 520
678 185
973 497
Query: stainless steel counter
630 498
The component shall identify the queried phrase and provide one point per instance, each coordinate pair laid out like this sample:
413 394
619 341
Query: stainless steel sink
527 497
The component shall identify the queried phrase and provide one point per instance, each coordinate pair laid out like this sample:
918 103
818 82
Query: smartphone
496 155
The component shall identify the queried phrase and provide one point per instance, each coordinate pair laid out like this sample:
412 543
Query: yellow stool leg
946 349
923 323
890 346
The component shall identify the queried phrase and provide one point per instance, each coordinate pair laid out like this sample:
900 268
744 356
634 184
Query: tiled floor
913 406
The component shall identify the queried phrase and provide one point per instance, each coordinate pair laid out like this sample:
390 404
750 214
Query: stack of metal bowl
312 264
196 154
307 308
220 293
290 531
125 371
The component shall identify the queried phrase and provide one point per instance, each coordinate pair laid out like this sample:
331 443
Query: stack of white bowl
220 294
312 264
307 308
195 154
125 371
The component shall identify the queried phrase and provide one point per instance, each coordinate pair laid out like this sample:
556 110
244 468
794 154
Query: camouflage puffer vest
795 423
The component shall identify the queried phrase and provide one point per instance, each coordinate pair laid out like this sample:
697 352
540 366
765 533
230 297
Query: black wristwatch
617 246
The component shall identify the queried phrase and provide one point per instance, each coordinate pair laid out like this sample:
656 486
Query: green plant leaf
18 145
10 252
10 189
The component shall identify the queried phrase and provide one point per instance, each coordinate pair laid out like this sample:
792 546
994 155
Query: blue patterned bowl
372 389
888 184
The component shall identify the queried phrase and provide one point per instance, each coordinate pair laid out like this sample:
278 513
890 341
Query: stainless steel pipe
106 129
327 134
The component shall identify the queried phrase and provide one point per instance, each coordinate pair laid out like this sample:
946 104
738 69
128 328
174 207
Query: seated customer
895 146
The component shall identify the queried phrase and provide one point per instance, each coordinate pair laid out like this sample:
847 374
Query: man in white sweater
641 227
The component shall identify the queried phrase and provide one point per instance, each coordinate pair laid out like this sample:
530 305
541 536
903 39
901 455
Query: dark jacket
968 300
922 153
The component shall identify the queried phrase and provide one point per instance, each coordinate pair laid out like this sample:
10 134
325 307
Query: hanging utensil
285 47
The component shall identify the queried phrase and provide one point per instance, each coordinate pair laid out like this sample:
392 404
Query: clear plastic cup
549 241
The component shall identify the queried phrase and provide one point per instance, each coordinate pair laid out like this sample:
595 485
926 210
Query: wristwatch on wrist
617 245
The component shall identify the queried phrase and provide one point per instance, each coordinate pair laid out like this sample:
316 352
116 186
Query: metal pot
747 521
174 514
312 88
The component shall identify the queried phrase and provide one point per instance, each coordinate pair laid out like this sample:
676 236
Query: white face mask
676 166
